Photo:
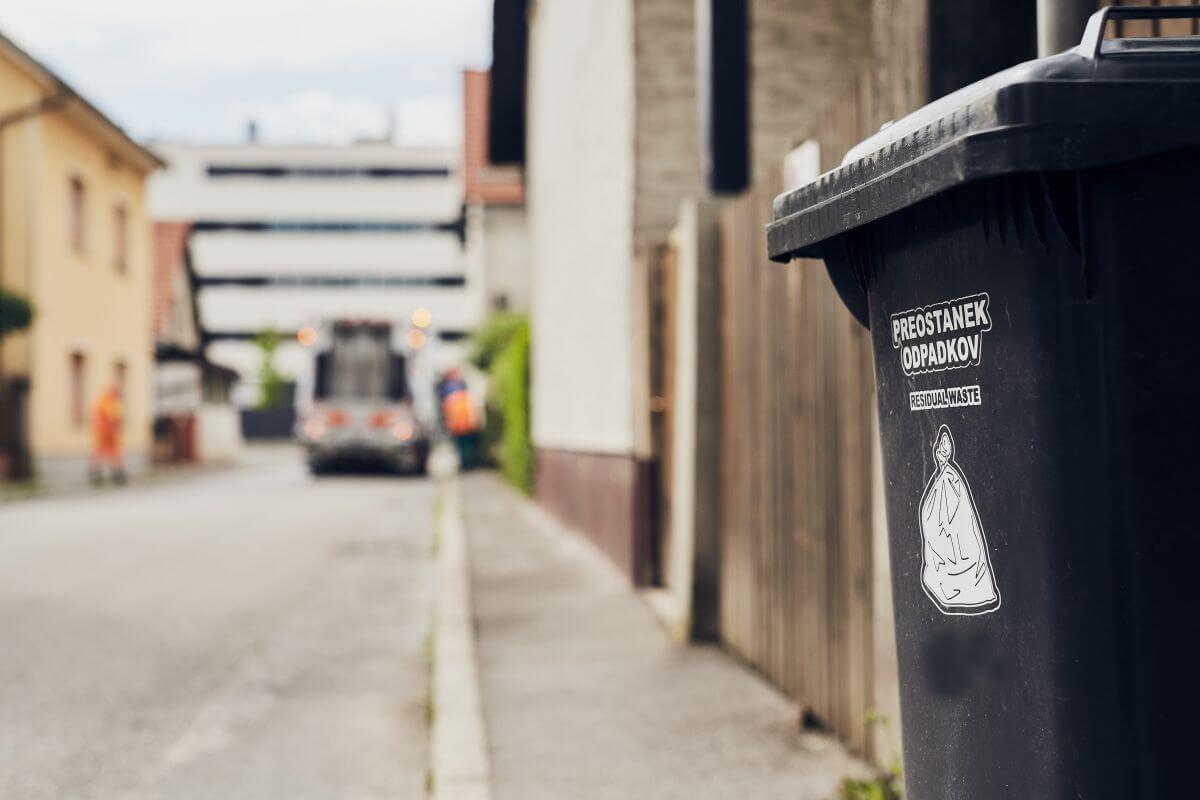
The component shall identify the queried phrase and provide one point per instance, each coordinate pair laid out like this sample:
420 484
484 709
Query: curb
460 767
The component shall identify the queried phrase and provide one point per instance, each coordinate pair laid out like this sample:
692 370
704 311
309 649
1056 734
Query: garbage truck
360 406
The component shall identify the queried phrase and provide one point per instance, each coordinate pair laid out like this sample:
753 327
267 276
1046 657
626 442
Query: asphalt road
250 633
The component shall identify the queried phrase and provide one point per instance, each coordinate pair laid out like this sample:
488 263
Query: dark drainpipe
723 92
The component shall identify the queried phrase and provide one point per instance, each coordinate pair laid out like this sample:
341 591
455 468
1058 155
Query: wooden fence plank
796 504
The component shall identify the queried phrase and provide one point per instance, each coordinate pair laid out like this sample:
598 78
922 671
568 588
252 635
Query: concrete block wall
667 139
805 54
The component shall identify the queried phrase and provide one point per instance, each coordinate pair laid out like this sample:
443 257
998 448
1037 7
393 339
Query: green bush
271 382
493 336
16 313
885 786
501 349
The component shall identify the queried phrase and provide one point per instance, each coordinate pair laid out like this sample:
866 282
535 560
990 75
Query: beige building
75 240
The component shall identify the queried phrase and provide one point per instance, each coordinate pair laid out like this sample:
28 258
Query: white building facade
287 237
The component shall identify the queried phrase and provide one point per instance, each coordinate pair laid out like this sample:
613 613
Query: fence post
694 561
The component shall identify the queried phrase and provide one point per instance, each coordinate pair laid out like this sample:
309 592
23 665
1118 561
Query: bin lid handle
1093 35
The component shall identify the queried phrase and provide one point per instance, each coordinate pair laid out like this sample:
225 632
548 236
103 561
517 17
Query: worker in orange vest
460 418
107 418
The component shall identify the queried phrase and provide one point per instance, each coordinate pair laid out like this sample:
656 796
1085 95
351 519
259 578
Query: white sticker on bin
956 567
941 336
948 397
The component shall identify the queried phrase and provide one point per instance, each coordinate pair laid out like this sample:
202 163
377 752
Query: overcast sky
324 71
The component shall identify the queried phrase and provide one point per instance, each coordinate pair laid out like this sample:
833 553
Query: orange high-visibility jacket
106 423
459 413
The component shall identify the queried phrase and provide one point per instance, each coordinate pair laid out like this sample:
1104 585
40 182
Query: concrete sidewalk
585 697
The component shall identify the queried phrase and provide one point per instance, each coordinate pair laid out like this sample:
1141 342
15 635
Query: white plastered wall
580 202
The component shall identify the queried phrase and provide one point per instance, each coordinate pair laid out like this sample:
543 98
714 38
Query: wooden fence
799 567
796 558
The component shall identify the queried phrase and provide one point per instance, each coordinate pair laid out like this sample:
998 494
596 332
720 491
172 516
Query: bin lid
1102 102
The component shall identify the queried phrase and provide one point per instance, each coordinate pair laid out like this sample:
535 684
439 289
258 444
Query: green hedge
501 349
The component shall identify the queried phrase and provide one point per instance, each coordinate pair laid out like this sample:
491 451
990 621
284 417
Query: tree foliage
272 383
16 313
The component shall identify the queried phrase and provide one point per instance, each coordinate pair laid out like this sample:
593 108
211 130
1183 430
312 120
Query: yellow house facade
75 240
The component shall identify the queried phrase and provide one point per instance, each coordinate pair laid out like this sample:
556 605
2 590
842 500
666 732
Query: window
78 389
120 238
78 203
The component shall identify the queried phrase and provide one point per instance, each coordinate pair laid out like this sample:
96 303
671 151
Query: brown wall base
607 498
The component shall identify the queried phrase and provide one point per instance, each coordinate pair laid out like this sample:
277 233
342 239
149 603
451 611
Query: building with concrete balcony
282 237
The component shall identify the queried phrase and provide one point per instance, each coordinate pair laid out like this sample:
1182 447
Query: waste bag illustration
956 568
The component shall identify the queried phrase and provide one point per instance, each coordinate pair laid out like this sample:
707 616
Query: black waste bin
1026 253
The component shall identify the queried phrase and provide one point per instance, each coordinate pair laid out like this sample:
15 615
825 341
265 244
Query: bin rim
1102 102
